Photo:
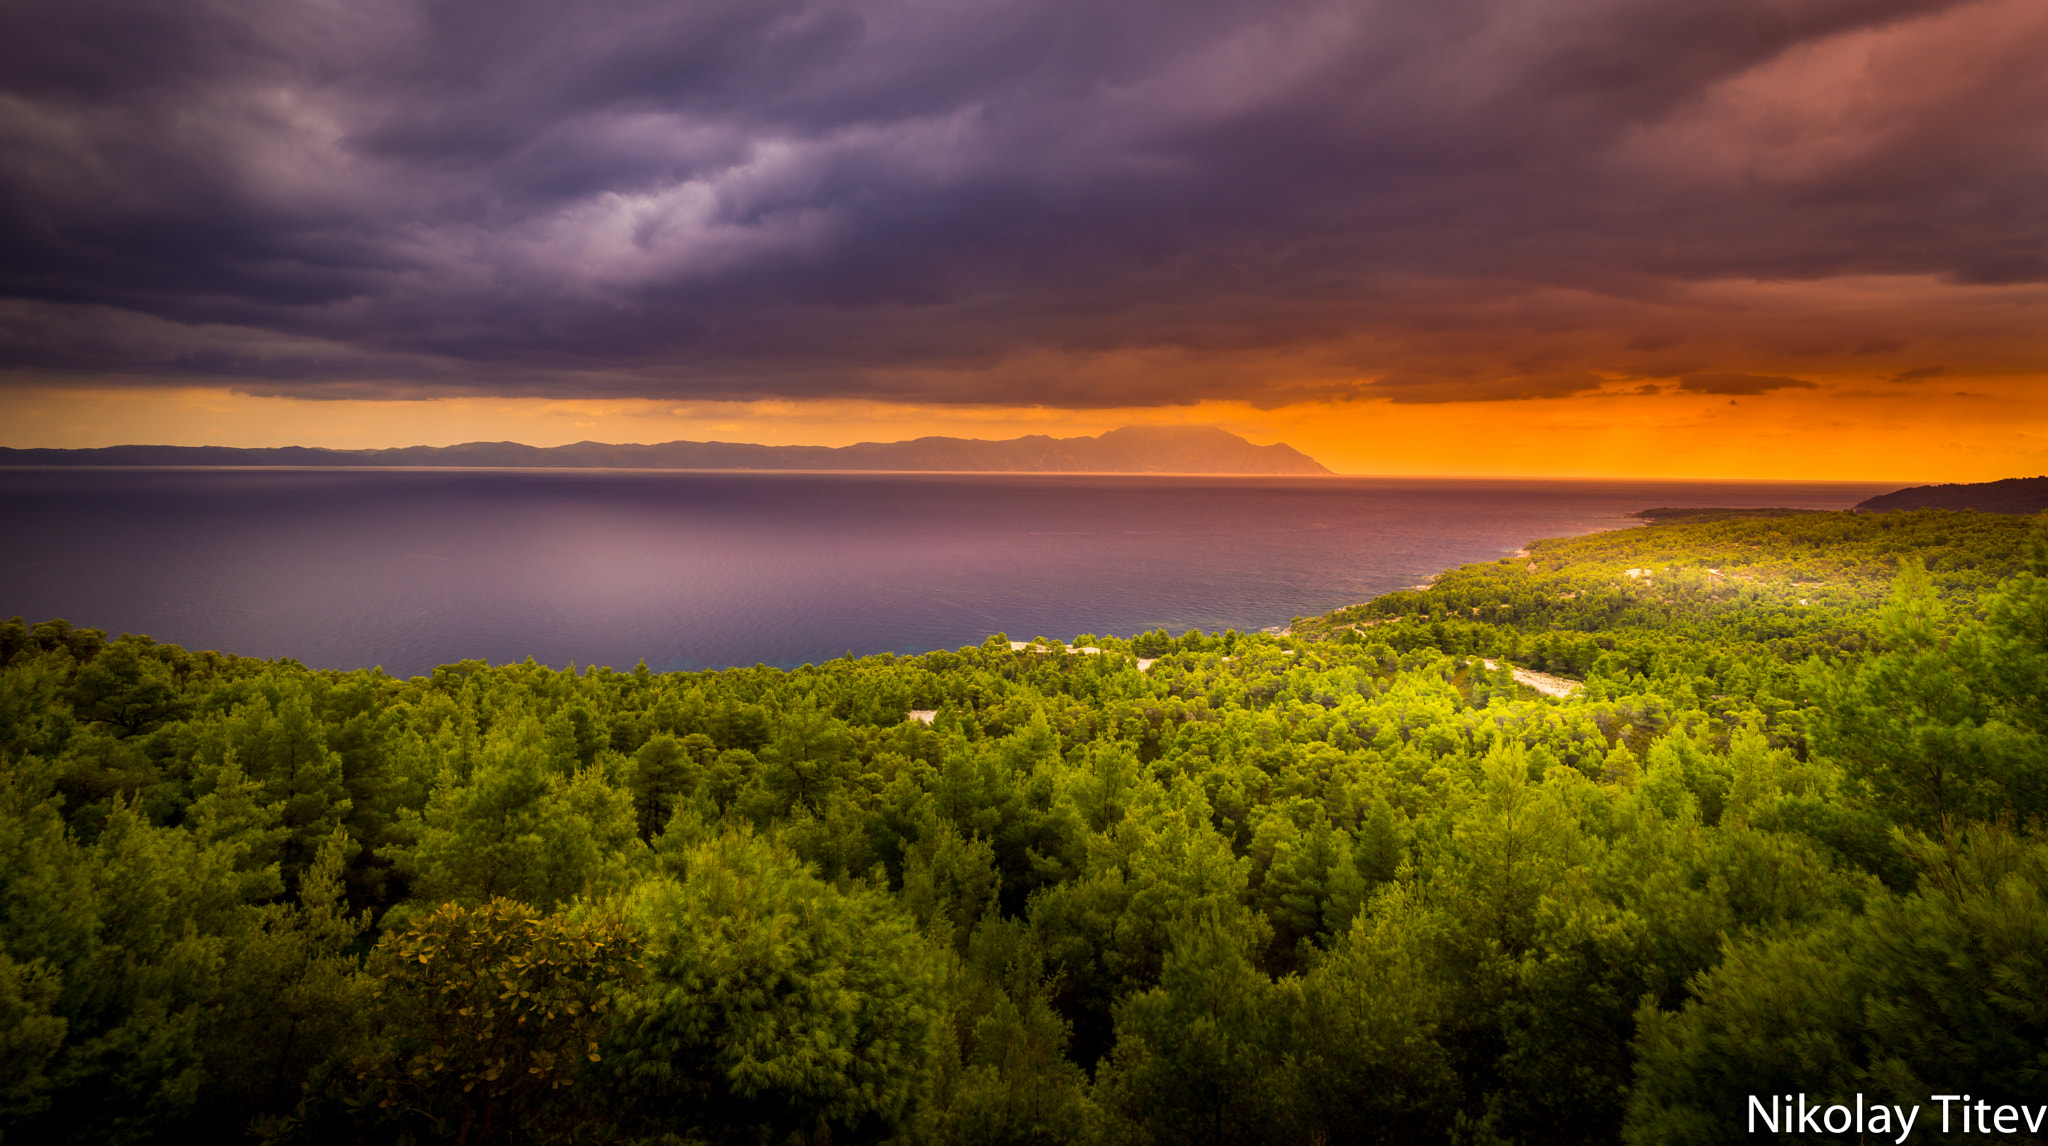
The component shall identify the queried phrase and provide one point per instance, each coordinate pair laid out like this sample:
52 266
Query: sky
1751 238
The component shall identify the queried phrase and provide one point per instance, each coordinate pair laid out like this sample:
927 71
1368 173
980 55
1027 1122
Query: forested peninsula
1132 449
1353 884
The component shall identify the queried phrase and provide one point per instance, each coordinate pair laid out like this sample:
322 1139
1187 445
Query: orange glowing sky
1981 435
1763 238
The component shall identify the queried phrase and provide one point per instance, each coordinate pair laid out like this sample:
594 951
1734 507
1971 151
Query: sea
411 568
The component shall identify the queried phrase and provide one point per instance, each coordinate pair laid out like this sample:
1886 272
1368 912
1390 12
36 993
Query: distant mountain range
1132 449
2013 495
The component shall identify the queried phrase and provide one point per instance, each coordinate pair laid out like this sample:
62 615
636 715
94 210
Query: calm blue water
412 568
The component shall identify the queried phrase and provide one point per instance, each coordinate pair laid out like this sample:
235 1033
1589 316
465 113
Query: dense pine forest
1363 882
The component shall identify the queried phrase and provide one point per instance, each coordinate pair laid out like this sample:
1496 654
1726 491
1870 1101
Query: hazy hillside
2013 495
1132 449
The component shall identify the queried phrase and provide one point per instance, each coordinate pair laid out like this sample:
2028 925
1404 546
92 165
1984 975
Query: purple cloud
1734 383
992 201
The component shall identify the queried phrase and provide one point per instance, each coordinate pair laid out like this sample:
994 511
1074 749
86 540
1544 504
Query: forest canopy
1588 844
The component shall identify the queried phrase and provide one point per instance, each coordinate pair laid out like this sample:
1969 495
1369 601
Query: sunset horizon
1577 440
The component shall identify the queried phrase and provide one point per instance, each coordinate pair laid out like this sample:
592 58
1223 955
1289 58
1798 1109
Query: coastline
702 571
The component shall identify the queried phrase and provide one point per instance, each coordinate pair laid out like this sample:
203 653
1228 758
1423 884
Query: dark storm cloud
1918 374
986 200
1731 383
1452 388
